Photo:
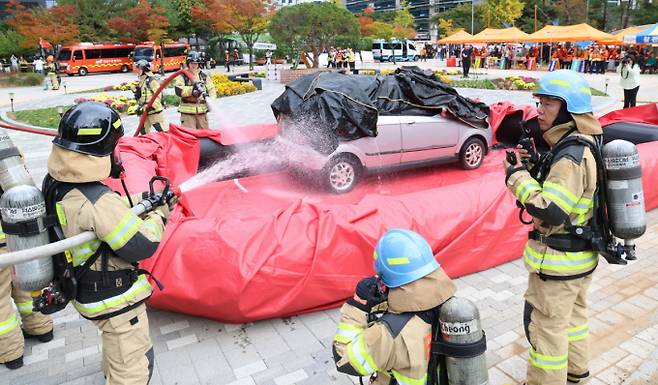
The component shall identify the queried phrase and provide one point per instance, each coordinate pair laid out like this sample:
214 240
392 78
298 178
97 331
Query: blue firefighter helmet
568 86
403 256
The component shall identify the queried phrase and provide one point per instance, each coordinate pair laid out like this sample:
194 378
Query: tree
314 27
366 20
210 17
381 30
647 12
461 17
91 16
140 23
56 23
403 23
501 13
249 18
11 44
445 27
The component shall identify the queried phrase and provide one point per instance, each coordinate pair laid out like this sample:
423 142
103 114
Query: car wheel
82 71
124 68
472 153
416 58
342 173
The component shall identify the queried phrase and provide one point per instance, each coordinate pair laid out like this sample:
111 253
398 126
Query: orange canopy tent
618 37
559 33
458 37
493 35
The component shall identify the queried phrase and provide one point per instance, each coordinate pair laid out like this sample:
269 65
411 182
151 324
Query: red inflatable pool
267 246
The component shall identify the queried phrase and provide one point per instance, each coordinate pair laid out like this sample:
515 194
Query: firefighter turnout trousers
127 349
556 326
197 121
11 336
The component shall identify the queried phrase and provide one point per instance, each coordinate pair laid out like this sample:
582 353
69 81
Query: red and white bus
83 58
170 55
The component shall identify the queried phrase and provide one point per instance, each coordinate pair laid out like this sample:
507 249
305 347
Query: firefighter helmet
91 128
143 65
193 57
568 86
403 256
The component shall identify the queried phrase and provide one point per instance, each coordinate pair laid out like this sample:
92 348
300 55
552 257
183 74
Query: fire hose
20 256
164 84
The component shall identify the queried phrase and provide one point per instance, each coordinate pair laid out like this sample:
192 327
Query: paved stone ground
297 350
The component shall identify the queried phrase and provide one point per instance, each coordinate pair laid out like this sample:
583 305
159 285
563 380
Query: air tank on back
625 197
22 202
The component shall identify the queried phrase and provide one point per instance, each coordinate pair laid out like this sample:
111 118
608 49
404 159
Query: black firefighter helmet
91 128
143 65
193 57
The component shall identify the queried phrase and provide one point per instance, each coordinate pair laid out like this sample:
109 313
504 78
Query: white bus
404 50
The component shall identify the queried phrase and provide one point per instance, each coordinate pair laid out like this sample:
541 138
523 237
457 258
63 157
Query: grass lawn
42 117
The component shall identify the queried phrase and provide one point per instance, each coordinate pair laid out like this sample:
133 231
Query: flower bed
125 86
122 104
514 83
226 87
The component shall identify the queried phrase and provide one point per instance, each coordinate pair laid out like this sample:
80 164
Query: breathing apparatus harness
81 282
439 349
596 233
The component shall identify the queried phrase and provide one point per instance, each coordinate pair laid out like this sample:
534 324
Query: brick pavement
297 350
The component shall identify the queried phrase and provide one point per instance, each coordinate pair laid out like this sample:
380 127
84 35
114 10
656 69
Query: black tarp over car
347 106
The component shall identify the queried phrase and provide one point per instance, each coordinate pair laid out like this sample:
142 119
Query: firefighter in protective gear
111 288
388 348
147 86
560 264
35 325
51 72
193 107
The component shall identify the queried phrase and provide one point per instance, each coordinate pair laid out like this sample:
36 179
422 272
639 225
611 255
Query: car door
428 137
384 149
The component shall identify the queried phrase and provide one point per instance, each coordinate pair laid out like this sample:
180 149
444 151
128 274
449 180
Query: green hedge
20 79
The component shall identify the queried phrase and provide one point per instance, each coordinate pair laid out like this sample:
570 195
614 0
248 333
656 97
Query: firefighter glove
366 295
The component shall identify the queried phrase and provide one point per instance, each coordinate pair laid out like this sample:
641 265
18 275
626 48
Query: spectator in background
14 63
630 80
651 63
227 61
268 57
351 59
467 54
38 65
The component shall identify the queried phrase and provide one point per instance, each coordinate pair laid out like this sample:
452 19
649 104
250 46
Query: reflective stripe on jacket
364 349
566 194
131 239
147 86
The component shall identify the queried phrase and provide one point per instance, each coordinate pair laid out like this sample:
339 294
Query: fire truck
83 58
169 56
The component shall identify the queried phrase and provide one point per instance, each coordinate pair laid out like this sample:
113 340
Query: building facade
422 10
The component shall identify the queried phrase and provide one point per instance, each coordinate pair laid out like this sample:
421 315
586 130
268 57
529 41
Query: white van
404 50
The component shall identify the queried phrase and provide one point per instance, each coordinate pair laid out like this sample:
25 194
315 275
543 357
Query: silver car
402 142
